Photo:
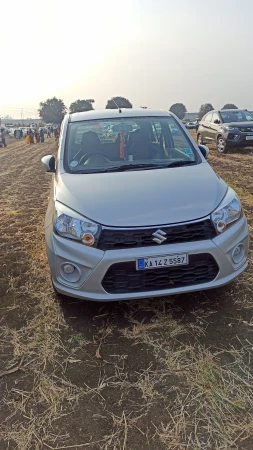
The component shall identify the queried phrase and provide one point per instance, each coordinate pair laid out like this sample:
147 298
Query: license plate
249 138
155 262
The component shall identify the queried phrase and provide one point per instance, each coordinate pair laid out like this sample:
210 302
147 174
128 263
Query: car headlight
227 128
71 225
228 212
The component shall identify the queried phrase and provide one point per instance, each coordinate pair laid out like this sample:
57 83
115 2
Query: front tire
221 145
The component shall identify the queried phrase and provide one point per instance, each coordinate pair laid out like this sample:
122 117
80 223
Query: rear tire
199 139
221 145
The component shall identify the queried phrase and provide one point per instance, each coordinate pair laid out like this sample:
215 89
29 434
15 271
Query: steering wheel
88 155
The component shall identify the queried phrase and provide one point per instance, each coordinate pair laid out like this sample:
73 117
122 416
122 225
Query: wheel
200 140
221 145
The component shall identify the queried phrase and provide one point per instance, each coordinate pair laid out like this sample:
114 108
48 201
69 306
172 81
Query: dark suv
228 128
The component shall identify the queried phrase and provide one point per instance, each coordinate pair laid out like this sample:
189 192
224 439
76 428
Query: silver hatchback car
136 211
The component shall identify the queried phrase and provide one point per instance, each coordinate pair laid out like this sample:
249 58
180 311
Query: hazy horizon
155 53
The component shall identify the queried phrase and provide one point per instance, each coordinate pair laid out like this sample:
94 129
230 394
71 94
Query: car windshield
236 116
127 144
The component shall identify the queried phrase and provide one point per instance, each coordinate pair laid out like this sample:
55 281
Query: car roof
231 110
225 110
114 113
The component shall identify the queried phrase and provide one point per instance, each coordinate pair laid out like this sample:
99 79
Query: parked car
229 128
192 125
11 132
4 129
140 217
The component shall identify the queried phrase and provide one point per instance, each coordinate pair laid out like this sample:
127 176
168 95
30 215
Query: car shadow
213 311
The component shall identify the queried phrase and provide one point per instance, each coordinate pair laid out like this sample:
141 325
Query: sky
154 52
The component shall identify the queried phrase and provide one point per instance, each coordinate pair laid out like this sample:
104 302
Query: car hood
143 198
248 124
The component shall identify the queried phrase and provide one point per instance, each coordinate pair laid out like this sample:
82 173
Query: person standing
27 138
3 138
42 136
31 136
48 132
37 136
21 134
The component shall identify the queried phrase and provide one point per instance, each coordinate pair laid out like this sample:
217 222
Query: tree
204 109
118 102
229 106
81 105
179 110
52 110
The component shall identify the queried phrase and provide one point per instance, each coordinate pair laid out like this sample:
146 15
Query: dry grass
215 410
147 374
213 405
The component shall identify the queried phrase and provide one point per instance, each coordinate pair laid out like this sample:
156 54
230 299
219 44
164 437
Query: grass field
168 373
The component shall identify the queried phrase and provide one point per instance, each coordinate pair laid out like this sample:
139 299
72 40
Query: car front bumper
239 141
92 264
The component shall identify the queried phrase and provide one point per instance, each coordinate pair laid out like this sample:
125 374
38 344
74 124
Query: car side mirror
217 121
204 150
48 163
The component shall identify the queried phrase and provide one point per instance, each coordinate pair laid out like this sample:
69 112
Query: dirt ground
158 374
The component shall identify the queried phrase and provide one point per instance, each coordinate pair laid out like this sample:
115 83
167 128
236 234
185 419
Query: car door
214 126
205 131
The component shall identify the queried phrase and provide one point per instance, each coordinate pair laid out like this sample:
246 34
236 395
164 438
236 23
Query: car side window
208 118
215 117
248 117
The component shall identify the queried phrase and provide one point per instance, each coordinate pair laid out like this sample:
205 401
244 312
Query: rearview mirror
204 150
217 121
48 163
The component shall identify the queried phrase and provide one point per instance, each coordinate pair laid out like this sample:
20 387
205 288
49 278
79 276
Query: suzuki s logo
159 236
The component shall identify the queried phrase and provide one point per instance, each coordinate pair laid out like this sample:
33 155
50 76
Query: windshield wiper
148 166
181 162
126 167
133 166
122 168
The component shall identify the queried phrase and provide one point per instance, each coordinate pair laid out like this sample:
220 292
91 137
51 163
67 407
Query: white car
11 132
142 216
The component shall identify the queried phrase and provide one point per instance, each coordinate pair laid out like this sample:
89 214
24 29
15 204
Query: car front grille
246 129
114 239
123 278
